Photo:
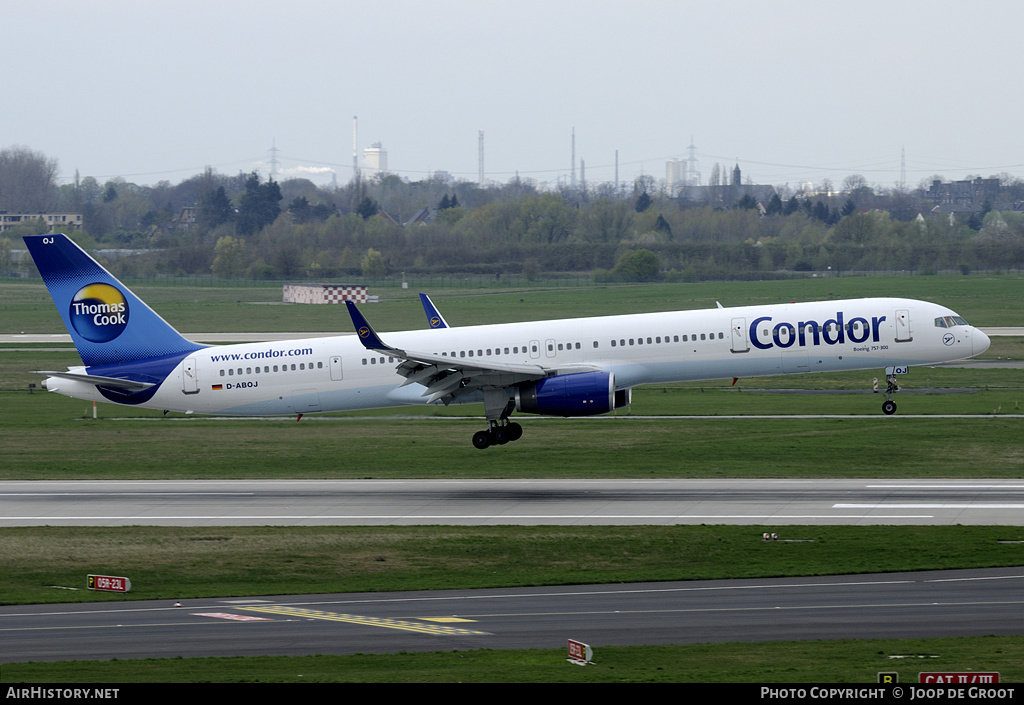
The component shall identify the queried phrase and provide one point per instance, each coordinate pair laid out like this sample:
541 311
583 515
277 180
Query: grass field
45 436
49 564
832 661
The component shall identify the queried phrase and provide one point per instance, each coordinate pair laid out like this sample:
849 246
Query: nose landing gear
889 406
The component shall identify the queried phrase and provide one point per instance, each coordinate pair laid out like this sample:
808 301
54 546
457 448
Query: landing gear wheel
481 440
515 431
501 436
888 407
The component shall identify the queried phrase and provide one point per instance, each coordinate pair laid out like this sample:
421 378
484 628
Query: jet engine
577 394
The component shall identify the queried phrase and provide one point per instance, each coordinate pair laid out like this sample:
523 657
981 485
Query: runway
898 605
520 502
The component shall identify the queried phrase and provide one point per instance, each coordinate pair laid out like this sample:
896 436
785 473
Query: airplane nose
979 342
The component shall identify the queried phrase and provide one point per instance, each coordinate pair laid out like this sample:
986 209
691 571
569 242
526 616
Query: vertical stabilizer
107 322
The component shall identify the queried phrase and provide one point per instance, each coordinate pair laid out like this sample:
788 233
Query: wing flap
446 377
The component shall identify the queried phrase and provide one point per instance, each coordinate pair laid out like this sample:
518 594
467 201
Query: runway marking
368 621
446 619
924 505
230 616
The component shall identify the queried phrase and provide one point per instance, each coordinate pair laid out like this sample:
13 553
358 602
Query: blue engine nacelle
578 394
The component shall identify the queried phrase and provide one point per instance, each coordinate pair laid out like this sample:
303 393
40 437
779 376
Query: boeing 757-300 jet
570 367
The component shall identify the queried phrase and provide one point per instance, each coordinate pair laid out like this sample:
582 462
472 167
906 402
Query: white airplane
571 367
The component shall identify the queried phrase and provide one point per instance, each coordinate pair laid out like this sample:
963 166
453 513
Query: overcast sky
792 90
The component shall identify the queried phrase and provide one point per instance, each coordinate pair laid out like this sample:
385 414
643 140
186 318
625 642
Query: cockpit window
949 322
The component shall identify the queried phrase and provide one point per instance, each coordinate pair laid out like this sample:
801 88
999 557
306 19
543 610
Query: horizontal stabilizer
126 385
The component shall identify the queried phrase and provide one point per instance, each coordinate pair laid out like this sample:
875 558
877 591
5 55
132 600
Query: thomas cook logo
99 313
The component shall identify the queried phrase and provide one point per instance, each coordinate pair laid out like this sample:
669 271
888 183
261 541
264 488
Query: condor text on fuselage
831 332
568 367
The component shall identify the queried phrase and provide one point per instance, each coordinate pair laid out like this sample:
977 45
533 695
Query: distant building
53 220
675 176
966 195
187 219
375 158
726 195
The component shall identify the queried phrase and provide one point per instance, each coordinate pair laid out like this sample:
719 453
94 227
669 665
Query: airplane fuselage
339 373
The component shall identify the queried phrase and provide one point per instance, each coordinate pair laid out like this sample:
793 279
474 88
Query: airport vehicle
569 367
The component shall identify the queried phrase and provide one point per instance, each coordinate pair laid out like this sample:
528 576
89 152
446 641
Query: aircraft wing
125 385
446 378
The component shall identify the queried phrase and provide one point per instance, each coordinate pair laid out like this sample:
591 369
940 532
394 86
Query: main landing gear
500 432
889 406
497 408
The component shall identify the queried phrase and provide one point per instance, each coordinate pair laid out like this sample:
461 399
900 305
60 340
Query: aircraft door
904 334
304 401
335 365
189 377
549 347
739 336
534 348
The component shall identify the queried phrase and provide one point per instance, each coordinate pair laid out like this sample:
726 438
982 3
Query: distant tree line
245 226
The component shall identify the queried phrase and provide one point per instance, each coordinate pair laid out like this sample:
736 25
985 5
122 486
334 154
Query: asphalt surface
522 502
900 605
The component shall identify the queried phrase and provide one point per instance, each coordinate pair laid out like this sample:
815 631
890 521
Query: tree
643 202
367 208
213 209
230 257
748 202
28 181
258 206
638 266
373 264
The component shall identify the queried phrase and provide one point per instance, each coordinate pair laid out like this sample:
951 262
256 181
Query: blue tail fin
434 317
107 322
